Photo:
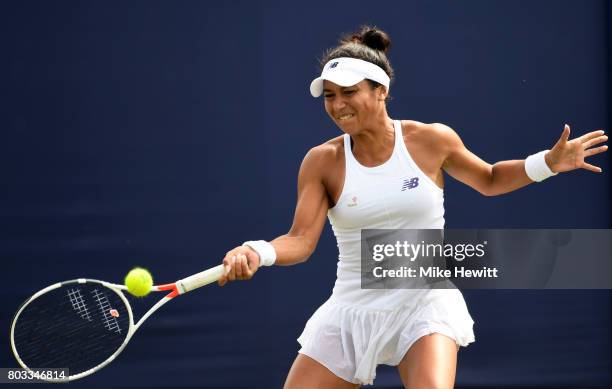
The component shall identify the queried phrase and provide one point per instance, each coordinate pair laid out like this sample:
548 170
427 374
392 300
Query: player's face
353 108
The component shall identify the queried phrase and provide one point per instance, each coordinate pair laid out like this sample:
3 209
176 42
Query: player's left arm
506 176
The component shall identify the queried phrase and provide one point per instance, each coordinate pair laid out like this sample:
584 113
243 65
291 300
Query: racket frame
177 288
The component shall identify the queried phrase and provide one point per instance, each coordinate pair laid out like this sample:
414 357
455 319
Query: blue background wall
164 133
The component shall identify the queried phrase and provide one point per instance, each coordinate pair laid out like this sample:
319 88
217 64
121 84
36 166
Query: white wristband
267 254
536 168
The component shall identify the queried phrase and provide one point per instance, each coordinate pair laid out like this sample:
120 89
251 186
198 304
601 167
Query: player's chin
347 128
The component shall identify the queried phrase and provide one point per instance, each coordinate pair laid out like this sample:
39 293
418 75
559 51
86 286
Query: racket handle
200 279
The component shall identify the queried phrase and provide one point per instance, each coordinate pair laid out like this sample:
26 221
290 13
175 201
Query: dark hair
368 44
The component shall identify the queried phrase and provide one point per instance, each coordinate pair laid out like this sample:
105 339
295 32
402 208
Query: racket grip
200 279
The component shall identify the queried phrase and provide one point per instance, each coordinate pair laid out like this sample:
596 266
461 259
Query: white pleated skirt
352 340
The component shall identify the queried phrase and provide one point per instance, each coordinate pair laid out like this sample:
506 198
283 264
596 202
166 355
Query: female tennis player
356 179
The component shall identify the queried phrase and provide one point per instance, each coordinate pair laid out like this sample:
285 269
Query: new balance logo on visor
410 183
333 65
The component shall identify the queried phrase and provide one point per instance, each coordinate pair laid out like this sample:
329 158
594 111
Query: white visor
348 72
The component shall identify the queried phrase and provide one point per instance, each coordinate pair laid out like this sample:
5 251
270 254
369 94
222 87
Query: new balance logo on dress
410 183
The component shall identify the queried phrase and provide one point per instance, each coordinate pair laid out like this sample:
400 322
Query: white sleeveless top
357 329
394 195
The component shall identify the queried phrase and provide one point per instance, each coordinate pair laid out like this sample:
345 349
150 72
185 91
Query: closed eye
346 92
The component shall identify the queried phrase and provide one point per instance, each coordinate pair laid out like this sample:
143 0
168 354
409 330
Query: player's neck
375 143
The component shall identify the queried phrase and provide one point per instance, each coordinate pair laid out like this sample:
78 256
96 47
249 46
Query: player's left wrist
551 162
537 168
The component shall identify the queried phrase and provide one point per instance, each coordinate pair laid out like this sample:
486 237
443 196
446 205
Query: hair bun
371 37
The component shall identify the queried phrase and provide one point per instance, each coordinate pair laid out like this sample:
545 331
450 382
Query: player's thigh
306 373
430 363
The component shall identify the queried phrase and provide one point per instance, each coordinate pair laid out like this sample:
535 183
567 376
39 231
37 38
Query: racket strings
76 326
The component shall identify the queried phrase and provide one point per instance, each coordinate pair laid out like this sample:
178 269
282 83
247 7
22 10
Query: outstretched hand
569 155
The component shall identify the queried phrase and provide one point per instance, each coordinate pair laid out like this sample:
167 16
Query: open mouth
345 117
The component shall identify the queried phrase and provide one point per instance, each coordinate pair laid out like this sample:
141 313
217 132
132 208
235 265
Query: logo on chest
353 202
410 183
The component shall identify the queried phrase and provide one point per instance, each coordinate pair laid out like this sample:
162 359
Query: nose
338 103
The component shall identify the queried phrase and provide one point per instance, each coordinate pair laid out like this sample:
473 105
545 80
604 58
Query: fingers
592 168
596 150
595 141
236 263
565 134
223 280
248 267
230 273
590 135
246 271
238 266
230 266
243 272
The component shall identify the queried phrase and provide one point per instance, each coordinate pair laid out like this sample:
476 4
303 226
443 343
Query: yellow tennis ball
139 282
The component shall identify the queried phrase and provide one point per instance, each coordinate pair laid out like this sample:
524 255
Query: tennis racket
84 324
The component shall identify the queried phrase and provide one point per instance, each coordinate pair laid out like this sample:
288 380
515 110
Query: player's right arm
300 242
310 212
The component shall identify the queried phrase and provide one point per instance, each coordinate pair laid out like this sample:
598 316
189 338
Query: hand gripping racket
84 324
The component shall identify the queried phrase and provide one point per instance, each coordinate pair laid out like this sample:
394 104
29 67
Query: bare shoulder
436 135
324 157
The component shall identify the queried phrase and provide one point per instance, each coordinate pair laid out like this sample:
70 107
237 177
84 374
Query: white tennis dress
357 329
